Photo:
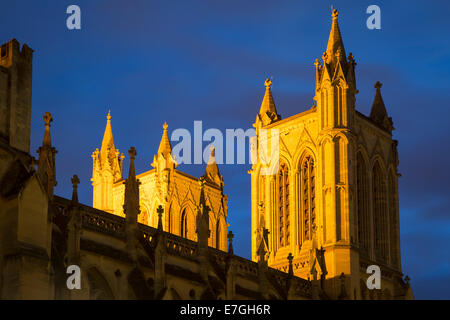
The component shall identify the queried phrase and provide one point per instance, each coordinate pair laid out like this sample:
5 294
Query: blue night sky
180 61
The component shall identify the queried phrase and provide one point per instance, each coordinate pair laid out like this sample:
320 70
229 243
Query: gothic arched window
379 213
218 235
169 220
393 216
283 205
363 214
307 196
184 224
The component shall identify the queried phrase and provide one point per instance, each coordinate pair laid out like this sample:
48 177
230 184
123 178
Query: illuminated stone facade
330 210
336 187
177 192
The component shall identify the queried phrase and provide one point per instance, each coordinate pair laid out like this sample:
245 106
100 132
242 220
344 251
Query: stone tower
15 94
333 200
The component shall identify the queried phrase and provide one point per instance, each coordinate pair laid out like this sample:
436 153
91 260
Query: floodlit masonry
330 210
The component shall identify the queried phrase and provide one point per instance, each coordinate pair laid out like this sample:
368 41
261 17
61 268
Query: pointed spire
108 150
378 112
75 182
46 163
131 205
203 232
164 147
74 226
47 142
290 257
268 112
335 48
109 157
262 248
163 158
212 174
230 237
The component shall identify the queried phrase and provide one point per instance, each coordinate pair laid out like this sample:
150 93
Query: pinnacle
164 146
378 112
47 142
108 150
335 47
268 108
212 173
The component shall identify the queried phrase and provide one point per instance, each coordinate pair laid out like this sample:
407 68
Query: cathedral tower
332 202
163 188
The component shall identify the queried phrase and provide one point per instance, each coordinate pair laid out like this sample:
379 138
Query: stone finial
407 279
351 58
378 85
335 14
160 212
75 182
230 237
47 142
108 117
290 257
47 119
268 111
165 147
132 152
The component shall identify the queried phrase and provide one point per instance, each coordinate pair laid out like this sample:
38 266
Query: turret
16 66
335 82
106 170
164 165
